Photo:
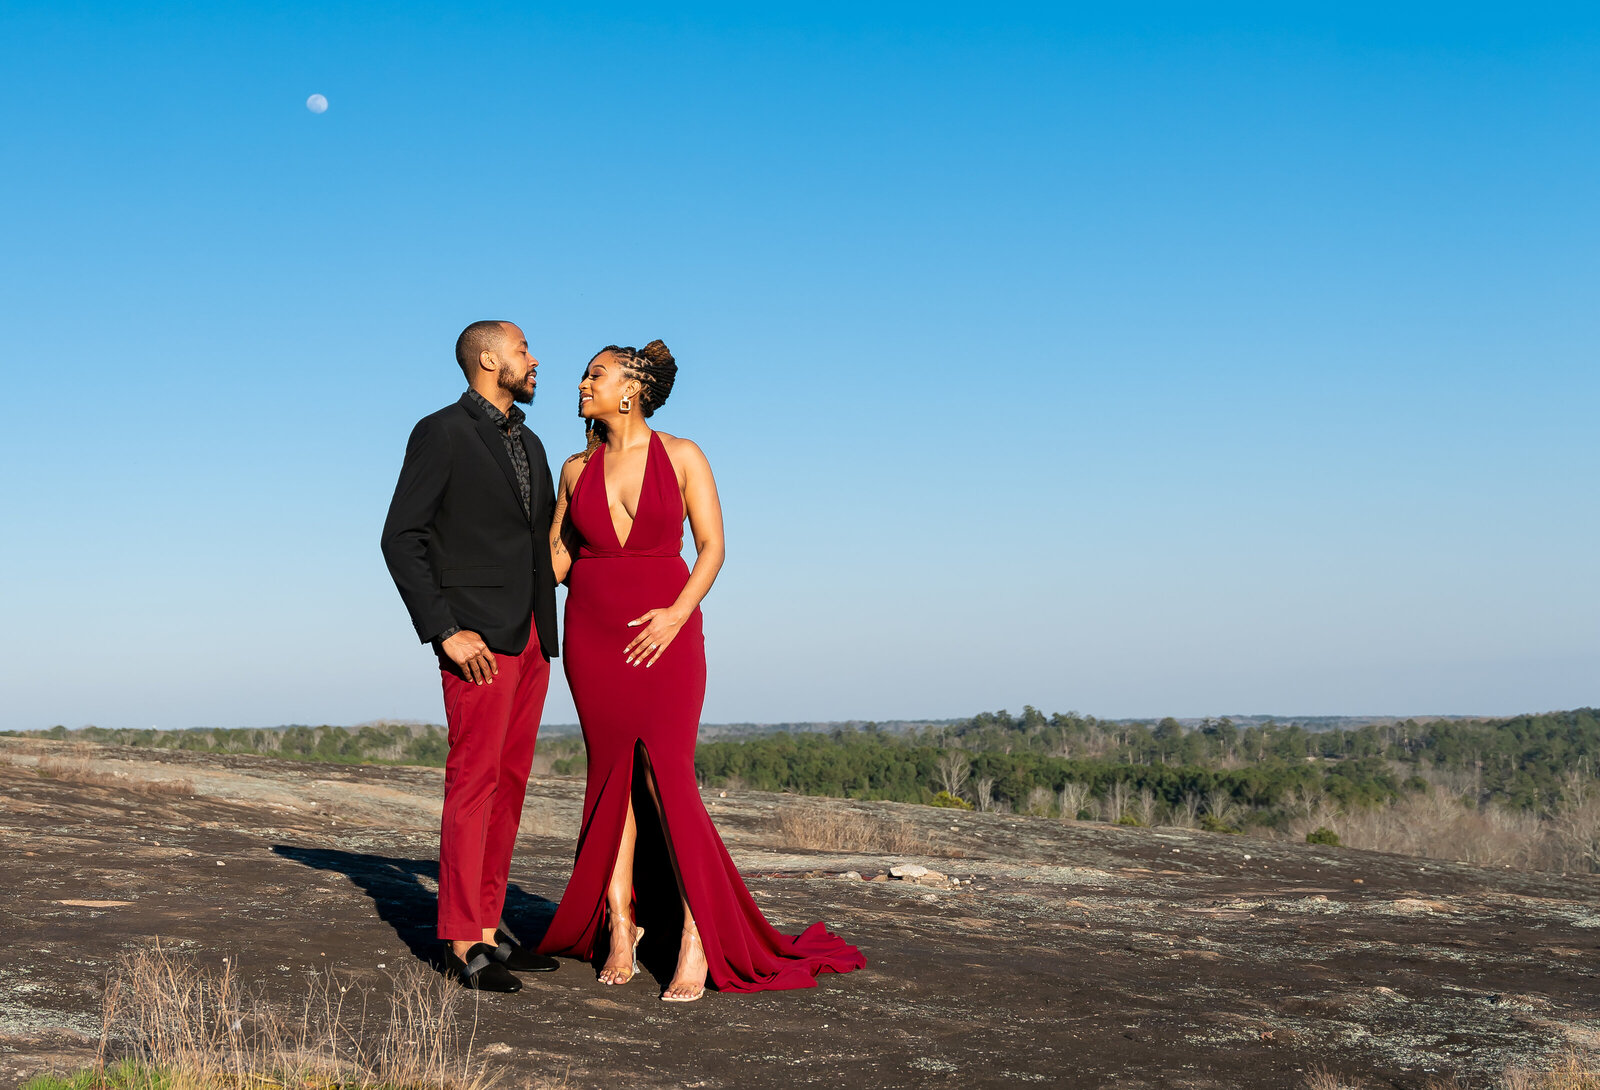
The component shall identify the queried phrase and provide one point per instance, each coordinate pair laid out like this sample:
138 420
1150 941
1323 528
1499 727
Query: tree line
1220 773
1257 773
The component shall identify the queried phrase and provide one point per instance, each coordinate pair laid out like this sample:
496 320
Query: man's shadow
405 904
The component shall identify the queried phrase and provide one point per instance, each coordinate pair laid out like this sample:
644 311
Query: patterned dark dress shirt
510 425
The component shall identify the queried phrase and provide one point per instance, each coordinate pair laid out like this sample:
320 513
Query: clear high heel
638 936
693 933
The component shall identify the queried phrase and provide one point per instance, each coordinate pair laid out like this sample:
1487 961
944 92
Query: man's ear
487 362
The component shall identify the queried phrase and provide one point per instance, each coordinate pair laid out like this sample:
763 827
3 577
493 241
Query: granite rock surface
1023 951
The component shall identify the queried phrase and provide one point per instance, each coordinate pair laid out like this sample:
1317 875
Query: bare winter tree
1220 805
952 771
1316 811
1304 801
1118 796
1072 798
1576 825
985 792
1145 808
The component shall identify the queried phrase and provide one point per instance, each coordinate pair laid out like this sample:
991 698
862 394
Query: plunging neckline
644 479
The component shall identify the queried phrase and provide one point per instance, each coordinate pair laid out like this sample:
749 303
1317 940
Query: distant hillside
1313 723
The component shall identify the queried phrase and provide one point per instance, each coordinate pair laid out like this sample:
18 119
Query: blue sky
1160 360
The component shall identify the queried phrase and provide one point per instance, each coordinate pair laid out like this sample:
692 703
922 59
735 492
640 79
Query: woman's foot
623 962
689 982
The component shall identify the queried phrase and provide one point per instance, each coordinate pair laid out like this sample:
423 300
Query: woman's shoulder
573 466
678 447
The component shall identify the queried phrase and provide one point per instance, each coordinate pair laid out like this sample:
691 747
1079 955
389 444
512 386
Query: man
467 541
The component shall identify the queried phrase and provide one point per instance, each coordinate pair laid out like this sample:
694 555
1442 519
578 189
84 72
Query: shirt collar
503 421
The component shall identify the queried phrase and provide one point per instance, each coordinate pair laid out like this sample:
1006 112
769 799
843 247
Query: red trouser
492 731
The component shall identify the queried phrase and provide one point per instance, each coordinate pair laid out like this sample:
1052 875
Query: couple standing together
476 539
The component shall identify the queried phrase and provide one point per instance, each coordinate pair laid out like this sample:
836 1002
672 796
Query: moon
317 104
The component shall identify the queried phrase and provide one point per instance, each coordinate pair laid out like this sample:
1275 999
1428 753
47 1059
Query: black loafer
480 970
518 958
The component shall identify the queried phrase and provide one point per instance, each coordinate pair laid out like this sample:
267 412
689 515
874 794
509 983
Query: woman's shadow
405 904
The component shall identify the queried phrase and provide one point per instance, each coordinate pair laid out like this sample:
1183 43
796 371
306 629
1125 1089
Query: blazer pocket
472 577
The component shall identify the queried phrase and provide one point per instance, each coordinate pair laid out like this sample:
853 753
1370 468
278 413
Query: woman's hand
661 628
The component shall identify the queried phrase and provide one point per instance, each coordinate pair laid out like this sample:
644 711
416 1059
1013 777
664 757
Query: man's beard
521 392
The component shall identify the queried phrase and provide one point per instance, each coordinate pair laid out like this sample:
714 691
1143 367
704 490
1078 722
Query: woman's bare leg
690 978
618 968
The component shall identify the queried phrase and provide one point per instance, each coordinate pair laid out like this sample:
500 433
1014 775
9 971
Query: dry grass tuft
1572 1071
190 1028
1320 1078
839 829
83 772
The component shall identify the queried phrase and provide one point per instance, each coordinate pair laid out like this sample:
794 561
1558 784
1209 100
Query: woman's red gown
656 711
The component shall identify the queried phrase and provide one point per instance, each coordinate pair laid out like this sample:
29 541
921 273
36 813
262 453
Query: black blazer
456 541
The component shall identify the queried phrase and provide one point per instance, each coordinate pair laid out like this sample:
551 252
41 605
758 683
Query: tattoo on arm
558 544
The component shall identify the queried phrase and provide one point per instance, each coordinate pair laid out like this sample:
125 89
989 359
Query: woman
635 661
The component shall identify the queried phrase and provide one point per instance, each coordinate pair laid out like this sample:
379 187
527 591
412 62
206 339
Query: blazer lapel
496 442
538 471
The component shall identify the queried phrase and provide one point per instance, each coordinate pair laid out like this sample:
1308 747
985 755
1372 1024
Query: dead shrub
1437 826
203 1029
83 772
838 829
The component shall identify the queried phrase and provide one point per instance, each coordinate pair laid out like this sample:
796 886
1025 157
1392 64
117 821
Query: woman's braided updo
652 367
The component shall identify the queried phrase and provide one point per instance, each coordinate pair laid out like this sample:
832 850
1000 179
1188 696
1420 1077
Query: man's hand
468 651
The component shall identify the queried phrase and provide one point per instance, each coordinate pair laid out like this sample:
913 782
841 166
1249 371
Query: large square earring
627 405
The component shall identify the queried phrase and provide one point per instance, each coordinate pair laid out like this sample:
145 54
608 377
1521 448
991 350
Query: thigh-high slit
653 713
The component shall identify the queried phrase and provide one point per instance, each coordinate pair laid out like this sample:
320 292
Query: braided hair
652 367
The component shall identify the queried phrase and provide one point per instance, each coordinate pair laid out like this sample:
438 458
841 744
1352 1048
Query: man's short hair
476 339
